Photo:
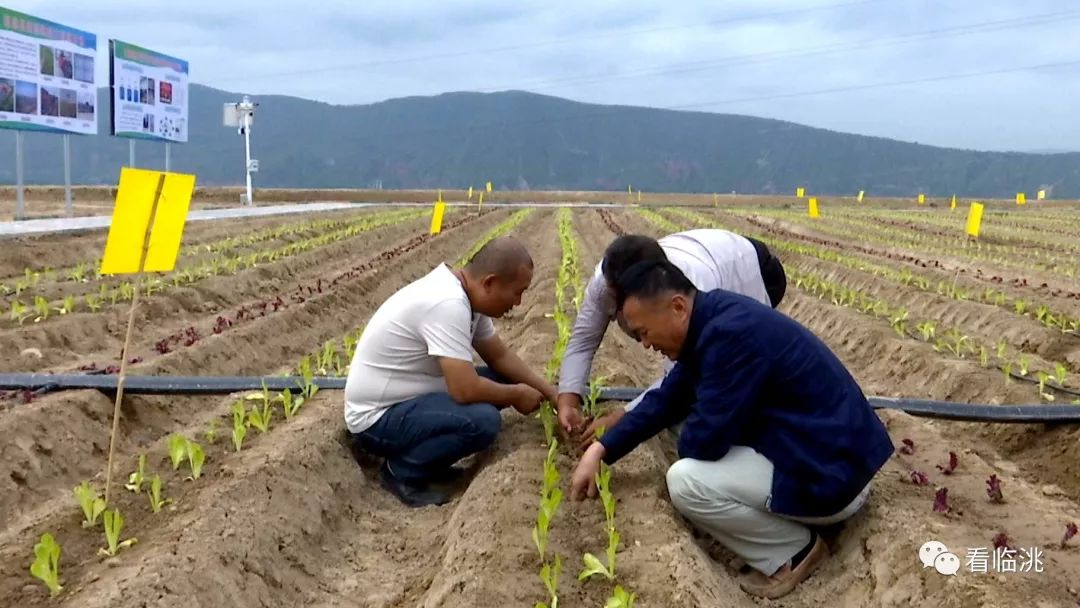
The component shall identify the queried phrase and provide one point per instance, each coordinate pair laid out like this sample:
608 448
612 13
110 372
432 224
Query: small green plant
41 307
926 330
93 303
91 502
1060 373
46 566
196 458
1001 346
549 574
899 322
1020 306
621 598
550 498
211 431
114 525
177 450
1024 362
289 404
19 312
547 418
1007 370
309 388
239 430
78 273
260 418
956 342
154 494
1043 377
593 398
593 566
984 357
136 479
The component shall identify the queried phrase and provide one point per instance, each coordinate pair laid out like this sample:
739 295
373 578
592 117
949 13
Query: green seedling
46 566
1060 373
78 273
114 525
67 306
1024 362
1007 370
956 342
196 457
260 418
289 404
41 307
309 387
1041 312
154 494
19 311
621 598
211 431
984 356
899 322
547 418
926 330
136 479
239 430
1043 377
1001 346
91 502
549 574
1020 306
93 303
593 398
177 450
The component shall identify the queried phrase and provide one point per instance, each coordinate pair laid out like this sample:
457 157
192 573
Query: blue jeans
425 435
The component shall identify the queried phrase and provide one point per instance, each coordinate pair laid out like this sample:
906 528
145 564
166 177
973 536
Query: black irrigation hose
206 385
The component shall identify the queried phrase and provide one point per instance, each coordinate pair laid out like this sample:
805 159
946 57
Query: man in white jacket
710 258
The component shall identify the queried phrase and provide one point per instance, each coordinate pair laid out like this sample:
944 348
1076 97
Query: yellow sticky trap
861 194
489 187
800 192
974 220
952 205
480 205
135 212
1041 195
813 208
436 217
1021 198
470 193
922 199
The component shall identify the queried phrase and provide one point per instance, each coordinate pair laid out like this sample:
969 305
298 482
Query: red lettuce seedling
134 360
1001 540
162 346
112 369
1070 531
919 478
941 501
908 448
993 490
954 460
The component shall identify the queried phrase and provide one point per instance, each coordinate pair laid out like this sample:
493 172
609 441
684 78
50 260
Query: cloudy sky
984 74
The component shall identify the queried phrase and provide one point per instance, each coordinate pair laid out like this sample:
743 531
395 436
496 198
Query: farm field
292 518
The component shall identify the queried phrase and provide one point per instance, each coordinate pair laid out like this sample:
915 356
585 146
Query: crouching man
777 436
413 395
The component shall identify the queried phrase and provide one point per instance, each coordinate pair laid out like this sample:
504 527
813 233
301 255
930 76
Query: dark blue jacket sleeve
733 373
660 408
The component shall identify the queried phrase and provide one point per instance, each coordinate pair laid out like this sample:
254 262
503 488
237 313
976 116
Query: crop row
1040 312
502 228
41 309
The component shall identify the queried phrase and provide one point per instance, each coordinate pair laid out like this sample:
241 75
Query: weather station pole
247 152
20 204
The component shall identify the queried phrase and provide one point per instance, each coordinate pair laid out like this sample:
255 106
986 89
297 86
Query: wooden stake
127 338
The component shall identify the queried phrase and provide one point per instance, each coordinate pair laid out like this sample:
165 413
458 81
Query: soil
296 519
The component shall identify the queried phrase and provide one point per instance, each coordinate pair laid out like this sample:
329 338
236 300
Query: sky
978 74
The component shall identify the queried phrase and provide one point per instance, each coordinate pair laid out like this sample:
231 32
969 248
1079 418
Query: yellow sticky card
1021 198
489 187
800 192
480 204
922 198
813 209
974 219
952 205
1041 195
136 212
470 193
436 217
861 194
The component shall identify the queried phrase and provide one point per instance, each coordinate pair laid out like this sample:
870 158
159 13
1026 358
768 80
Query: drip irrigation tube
206 385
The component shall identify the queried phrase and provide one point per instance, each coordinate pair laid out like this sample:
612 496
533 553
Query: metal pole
247 153
168 149
131 152
20 205
70 209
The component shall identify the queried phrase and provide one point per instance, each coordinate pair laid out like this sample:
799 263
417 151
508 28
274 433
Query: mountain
522 140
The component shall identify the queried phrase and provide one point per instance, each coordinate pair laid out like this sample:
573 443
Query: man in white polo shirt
413 395
710 258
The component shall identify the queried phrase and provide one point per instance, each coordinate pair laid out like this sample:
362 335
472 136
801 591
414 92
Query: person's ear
488 282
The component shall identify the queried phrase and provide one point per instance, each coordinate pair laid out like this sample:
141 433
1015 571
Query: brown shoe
787 578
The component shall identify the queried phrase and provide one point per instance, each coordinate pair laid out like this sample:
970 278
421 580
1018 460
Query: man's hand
527 399
583 482
606 421
570 418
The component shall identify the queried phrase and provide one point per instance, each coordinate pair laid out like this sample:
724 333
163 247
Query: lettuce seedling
136 479
1060 373
941 501
908 448
239 430
1070 531
46 566
260 419
196 457
114 524
91 502
154 494
621 598
919 478
549 574
993 490
948 469
41 307
289 404
211 431
177 450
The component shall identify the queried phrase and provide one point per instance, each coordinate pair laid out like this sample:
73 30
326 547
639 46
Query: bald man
413 395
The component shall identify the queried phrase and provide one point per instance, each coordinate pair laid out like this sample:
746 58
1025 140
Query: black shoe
448 475
413 495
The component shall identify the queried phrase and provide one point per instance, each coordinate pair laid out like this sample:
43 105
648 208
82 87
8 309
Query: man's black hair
649 279
626 251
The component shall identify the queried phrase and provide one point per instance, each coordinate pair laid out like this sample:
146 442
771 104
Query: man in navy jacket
777 436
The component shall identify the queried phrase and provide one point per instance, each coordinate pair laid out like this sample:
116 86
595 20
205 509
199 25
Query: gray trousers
729 499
